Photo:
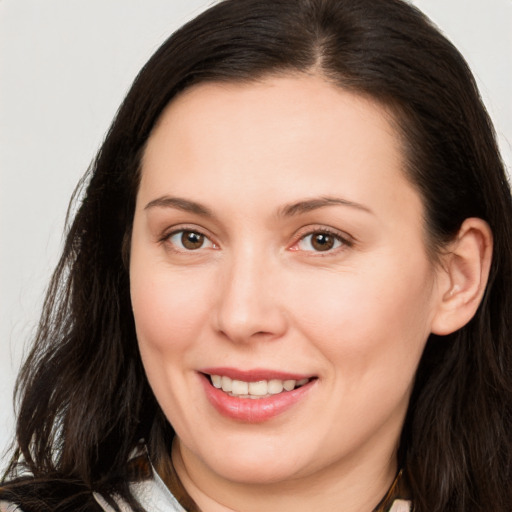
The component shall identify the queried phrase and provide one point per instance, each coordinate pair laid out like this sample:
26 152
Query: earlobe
464 274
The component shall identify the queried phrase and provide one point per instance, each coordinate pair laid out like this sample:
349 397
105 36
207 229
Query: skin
257 294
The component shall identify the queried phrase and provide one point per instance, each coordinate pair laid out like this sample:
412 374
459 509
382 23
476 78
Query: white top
152 494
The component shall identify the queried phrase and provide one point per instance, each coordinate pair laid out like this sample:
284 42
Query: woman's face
278 251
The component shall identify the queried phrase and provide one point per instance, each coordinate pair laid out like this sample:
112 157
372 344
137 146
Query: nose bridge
248 303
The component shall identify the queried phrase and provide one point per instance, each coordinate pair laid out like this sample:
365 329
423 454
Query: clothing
155 496
152 494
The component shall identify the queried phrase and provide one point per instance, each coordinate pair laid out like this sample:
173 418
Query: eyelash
343 241
167 239
340 241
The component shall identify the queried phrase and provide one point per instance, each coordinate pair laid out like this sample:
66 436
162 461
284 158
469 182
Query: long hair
84 399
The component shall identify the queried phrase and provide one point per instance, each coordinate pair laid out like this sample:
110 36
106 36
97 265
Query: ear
462 276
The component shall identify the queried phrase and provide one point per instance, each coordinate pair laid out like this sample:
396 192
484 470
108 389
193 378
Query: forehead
283 137
300 99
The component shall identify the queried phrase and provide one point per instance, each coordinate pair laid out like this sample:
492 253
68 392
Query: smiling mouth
256 389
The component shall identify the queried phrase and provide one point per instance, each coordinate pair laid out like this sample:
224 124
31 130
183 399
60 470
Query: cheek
169 308
370 320
169 317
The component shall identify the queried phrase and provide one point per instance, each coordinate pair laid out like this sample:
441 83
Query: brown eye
186 240
192 240
320 241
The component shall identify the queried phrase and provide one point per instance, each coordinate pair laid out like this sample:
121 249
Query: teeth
288 385
217 381
261 388
227 384
275 386
239 387
258 388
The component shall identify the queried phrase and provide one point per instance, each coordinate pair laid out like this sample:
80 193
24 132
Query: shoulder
152 494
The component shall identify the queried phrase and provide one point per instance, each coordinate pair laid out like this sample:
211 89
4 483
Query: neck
351 486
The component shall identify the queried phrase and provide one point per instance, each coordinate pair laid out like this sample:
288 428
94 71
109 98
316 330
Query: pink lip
253 375
249 410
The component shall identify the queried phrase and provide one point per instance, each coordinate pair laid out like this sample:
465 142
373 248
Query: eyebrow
288 210
308 205
180 204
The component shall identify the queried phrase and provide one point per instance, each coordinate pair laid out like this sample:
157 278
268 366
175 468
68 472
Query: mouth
255 389
257 395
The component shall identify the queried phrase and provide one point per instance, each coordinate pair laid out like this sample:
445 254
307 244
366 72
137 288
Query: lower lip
253 410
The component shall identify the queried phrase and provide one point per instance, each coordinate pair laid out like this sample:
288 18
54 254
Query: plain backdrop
65 66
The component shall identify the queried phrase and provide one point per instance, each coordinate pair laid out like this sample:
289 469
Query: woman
288 284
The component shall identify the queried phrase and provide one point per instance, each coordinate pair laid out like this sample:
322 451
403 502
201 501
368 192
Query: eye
188 240
320 241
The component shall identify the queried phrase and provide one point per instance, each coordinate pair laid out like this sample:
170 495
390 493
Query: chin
257 465
260 473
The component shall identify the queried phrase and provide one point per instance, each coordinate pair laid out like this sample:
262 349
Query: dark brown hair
84 399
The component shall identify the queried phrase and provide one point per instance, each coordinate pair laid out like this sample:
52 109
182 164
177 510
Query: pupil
191 240
322 242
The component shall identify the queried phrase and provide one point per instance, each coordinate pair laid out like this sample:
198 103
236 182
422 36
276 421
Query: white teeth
258 388
275 386
239 387
288 385
217 381
261 388
227 384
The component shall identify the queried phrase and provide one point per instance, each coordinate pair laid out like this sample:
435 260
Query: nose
250 300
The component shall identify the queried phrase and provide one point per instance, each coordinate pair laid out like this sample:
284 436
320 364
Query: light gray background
65 66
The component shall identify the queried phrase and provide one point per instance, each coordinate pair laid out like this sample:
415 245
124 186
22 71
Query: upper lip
255 374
